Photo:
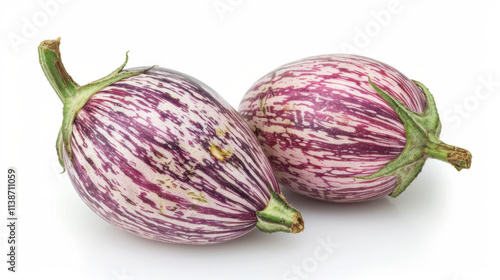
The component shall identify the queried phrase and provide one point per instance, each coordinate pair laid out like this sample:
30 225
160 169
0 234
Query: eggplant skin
162 156
322 124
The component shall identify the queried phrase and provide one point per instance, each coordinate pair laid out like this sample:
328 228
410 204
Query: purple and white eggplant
346 128
159 154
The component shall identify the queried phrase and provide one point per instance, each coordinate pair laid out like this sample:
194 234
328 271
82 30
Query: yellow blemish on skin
198 197
219 153
220 132
167 183
262 105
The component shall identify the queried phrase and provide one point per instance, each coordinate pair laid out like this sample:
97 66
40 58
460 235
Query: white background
444 227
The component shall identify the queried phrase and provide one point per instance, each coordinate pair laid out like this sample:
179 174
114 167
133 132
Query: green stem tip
458 157
279 216
53 68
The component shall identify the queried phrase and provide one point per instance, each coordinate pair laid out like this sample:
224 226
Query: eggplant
346 128
161 155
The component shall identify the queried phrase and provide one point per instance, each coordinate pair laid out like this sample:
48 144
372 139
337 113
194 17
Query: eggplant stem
458 157
279 216
53 68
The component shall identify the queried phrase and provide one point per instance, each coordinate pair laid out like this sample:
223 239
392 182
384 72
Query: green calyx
72 95
422 142
279 216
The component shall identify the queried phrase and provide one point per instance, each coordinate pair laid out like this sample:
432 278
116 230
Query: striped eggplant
159 154
346 128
